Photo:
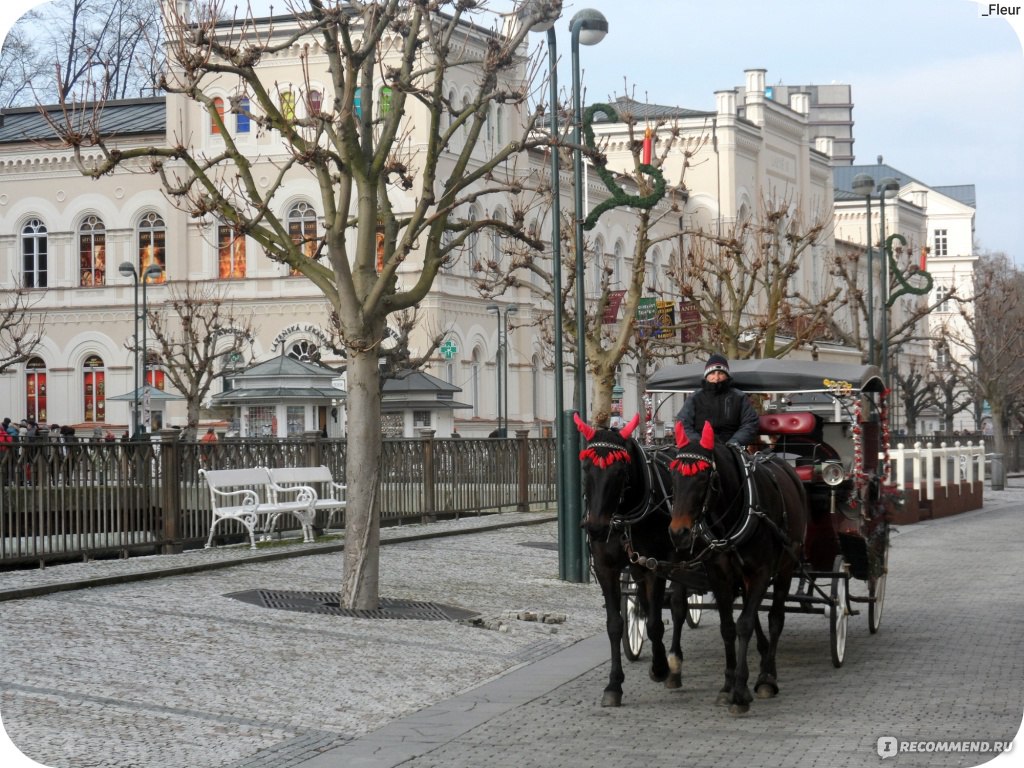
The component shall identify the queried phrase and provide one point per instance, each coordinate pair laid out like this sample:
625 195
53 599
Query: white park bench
251 497
330 495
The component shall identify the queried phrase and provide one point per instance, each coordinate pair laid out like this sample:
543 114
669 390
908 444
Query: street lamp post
588 27
887 187
128 270
864 185
495 309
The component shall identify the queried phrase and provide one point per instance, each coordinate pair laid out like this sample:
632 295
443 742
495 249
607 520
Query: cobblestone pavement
172 672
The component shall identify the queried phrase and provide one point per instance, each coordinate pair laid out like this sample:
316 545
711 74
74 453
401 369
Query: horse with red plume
745 517
626 515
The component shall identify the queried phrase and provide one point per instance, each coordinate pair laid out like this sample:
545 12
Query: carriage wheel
876 592
838 615
694 609
634 631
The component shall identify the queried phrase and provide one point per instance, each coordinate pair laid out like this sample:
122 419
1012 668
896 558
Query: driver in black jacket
728 409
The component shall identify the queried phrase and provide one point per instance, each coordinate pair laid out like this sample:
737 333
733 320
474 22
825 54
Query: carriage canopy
773 375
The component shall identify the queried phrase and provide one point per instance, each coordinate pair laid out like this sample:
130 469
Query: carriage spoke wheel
876 592
838 614
634 630
694 609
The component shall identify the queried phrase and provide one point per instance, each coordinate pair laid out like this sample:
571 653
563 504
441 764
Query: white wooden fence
925 467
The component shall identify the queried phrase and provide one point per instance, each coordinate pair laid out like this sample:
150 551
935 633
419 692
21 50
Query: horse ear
627 430
707 437
681 439
585 429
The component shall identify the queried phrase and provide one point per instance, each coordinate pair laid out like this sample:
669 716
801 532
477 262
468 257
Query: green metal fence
63 501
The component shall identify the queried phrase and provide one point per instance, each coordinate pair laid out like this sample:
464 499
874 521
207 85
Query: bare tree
744 282
993 340
196 332
917 392
20 332
356 148
21 65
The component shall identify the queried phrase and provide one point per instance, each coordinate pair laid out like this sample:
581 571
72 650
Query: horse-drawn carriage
702 515
828 422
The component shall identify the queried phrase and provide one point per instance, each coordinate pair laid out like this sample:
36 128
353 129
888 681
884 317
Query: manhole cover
328 602
539 544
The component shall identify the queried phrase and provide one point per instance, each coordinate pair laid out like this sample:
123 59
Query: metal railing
63 501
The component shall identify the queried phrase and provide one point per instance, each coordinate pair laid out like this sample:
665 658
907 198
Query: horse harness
747 523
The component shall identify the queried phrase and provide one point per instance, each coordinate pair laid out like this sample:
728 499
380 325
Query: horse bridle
745 527
643 508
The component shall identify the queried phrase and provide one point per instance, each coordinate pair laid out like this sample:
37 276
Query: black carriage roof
774 376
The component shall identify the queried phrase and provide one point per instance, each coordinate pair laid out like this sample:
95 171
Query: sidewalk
172 671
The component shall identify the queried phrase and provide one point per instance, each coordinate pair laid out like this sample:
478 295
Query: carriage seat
799 434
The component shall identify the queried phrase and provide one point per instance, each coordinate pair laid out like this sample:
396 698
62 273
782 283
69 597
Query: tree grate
329 603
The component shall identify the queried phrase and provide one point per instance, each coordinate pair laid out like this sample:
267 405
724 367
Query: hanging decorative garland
618 195
859 478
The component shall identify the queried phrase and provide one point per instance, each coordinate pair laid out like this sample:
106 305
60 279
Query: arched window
35 389
472 239
242 115
288 105
385 100
314 102
33 253
94 396
230 253
152 244
218 105
92 252
304 350
302 229
496 238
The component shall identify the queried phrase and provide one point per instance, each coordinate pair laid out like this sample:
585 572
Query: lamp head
863 184
493 309
511 309
152 271
591 24
127 269
888 187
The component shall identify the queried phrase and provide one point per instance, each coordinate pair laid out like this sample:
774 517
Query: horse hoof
723 700
738 710
612 699
767 691
658 675
675 680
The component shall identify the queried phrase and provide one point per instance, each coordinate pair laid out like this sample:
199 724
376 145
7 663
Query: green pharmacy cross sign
448 349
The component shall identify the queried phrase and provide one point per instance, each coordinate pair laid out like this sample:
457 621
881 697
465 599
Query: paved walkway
172 671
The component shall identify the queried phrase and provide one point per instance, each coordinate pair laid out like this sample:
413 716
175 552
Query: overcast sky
938 89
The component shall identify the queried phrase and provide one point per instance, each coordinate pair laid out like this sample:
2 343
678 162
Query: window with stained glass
94 396
230 253
152 245
35 389
302 229
92 252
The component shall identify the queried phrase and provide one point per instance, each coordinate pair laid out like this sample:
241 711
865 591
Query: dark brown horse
745 517
626 514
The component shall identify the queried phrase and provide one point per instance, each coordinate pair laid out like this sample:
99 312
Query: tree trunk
361 573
